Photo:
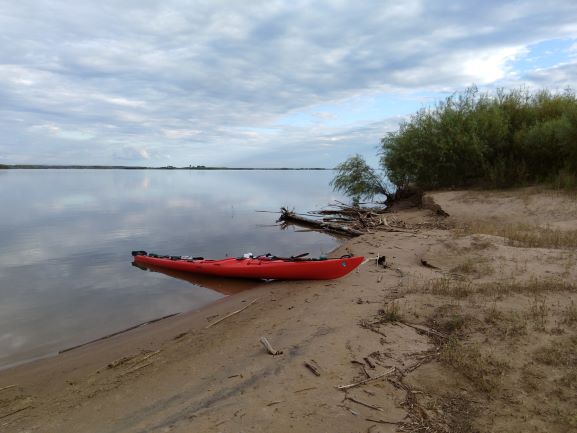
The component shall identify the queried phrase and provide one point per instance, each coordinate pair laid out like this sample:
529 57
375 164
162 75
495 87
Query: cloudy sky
255 83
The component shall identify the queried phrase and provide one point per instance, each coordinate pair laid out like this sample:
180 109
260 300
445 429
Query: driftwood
362 382
381 421
16 411
269 348
369 362
362 365
8 387
231 314
313 366
291 217
425 330
306 389
426 264
132 370
346 220
364 404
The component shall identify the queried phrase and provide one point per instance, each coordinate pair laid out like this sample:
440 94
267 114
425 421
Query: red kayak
261 267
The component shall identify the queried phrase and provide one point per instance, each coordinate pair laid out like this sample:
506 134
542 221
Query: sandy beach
469 326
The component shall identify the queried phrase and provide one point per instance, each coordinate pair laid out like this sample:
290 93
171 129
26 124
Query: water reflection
66 238
224 286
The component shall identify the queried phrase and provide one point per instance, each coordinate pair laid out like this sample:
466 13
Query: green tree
358 180
508 138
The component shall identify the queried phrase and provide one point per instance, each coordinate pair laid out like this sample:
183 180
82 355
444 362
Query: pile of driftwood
346 220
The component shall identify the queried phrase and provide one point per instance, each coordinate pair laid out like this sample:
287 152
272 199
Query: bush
511 138
358 180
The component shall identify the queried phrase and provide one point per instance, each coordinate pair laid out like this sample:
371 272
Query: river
66 235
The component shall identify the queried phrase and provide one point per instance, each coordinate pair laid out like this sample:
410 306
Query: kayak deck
262 267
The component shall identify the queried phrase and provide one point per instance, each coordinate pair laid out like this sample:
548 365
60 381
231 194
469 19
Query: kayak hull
256 268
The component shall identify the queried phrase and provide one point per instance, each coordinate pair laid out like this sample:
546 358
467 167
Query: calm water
66 236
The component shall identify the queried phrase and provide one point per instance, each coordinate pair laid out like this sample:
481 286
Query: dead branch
381 421
269 348
362 382
426 264
313 366
136 368
8 387
231 314
291 217
15 411
306 389
369 362
354 412
364 404
349 220
149 355
367 375
425 330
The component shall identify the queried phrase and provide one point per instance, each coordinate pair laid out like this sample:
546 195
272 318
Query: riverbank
470 326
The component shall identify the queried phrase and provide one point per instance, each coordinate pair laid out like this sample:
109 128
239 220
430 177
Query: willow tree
358 180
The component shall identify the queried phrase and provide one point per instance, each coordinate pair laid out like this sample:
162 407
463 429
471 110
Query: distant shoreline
124 167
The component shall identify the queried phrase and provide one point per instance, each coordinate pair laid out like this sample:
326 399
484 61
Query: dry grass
448 287
510 324
460 289
561 353
481 369
478 267
569 380
534 287
492 328
538 313
449 319
569 314
390 313
532 377
523 235
547 376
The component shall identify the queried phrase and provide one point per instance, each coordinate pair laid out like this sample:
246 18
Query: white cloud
180 133
491 66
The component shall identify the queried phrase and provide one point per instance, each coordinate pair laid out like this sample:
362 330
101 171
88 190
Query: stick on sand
231 314
7 387
269 347
362 382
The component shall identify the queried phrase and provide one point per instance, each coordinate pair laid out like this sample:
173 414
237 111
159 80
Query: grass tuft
506 324
569 314
523 235
482 369
460 289
561 353
390 313
538 312
449 287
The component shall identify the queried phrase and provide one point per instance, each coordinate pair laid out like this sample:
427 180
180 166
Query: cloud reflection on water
65 274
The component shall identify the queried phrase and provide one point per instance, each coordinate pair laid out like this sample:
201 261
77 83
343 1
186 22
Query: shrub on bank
358 180
512 138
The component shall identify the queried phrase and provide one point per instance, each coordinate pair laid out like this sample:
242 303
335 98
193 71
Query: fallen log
290 217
